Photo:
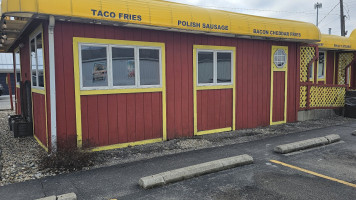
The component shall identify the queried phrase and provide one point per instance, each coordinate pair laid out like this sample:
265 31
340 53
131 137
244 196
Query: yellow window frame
232 86
78 92
274 68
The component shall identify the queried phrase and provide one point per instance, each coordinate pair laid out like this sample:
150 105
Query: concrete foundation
318 114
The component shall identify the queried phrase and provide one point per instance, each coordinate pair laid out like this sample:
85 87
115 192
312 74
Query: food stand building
109 74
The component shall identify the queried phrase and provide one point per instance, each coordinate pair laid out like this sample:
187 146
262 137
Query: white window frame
110 70
34 36
15 63
215 67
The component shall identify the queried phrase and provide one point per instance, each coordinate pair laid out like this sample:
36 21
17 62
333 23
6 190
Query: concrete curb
69 196
194 171
305 144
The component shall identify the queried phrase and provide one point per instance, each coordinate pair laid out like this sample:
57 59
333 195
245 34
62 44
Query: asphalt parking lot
327 172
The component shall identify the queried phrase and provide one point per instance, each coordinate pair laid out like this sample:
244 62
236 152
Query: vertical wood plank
148 108
131 117
103 119
123 116
112 119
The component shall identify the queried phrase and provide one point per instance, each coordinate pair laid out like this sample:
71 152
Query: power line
329 12
251 9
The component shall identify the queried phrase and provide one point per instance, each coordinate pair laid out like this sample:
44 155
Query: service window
214 67
37 66
105 66
17 67
321 65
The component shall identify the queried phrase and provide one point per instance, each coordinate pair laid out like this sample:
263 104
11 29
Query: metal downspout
52 81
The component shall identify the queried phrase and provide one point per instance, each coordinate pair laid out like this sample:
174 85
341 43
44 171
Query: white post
52 81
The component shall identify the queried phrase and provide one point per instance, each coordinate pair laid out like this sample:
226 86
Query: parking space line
314 173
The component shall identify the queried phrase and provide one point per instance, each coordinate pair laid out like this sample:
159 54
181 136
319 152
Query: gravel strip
21 156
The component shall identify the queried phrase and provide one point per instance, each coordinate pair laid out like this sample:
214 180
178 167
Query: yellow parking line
314 173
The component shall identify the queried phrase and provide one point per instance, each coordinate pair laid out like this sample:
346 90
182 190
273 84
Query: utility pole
317 6
342 18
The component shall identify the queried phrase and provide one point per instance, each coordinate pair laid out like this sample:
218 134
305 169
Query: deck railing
321 96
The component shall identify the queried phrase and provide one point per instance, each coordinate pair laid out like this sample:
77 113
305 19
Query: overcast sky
301 10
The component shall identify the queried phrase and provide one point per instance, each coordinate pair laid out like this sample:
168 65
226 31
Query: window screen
280 58
94 66
205 67
321 65
123 66
224 67
149 67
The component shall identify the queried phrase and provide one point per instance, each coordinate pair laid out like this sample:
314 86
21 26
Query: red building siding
253 62
278 96
38 100
330 67
39 117
214 109
121 118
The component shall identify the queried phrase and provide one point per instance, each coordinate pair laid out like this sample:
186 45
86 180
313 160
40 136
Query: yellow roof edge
169 14
335 42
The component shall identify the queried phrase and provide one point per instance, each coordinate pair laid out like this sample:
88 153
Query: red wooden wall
353 76
330 67
278 96
252 79
214 109
38 100
121 118
39 117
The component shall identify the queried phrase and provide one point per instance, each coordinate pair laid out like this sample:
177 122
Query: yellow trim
314 173
118 146
196 87
195 107
17 86
78 110
210 47
40 143
214 131
285 70
120 91
165 15
117 42
38 91
79 93
38 30
325 64
337 42
215 87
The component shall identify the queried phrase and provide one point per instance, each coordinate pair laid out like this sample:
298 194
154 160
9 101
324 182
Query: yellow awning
158 13
338 42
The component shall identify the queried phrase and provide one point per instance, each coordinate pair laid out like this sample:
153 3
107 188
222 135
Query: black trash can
350 104
12 118
22 128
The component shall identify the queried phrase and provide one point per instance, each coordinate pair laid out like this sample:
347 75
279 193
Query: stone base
318 114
